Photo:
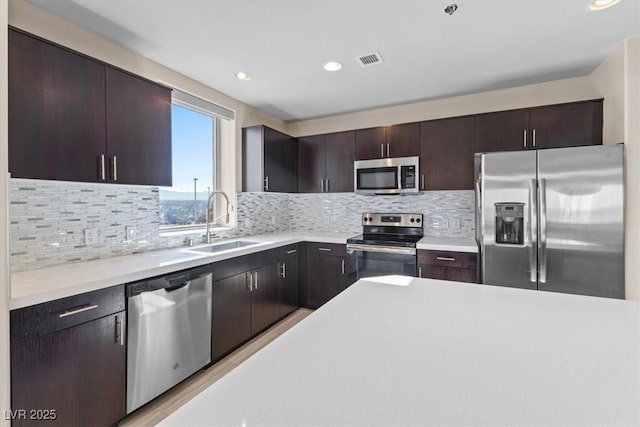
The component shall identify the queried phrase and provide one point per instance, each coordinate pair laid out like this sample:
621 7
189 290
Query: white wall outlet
455 222
441 223
129 233
90 236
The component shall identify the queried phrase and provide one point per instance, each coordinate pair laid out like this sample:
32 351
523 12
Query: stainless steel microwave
386 176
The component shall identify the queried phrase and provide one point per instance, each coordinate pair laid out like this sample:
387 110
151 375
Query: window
183 205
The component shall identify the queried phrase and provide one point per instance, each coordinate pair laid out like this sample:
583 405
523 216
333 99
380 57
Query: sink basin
219 247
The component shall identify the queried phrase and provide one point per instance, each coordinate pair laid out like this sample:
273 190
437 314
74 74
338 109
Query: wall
632 146
4 223
608 82
567 90
44 24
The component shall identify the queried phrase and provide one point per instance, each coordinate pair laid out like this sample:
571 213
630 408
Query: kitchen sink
219 247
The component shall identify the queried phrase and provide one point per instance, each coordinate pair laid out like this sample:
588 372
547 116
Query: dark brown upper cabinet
566 125
446 154
388 141
552 126
138 130
56 112
269 160
73 118
326 163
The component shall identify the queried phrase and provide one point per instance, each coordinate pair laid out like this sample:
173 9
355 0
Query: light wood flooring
164 405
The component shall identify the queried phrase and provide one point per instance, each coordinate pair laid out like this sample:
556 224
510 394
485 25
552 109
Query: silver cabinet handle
422 181
343 266
77 310
445 258
324 249
524 138
327 185
115 168
381 150
103 172
292 251
255 282
250 281
534 138
419 271
542 241
322 185
121 330
283 273
388 150
266 183
533 234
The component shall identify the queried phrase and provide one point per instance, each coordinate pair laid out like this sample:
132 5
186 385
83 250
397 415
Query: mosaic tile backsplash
48 218
446 213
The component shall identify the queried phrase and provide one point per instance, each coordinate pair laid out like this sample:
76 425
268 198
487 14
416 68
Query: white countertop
455 244
47 284
429 352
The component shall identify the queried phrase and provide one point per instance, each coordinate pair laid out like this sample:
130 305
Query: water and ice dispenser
510 223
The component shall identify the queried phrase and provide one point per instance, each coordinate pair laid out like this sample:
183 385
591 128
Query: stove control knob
417 219
412 220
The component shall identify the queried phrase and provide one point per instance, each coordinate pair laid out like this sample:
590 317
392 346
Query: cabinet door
371 143
311 162
56 112
289 290
138 130
230 315
340 154
566 125
264 298
280 162
446 154
447 273
502 131
403 140
326 278
78 372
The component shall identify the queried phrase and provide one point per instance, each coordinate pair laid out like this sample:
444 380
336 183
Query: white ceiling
428 54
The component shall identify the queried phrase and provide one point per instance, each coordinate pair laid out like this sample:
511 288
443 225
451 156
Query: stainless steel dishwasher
169 332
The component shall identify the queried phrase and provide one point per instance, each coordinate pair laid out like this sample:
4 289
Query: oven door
373 260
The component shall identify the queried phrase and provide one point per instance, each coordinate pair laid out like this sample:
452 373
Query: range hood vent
370 59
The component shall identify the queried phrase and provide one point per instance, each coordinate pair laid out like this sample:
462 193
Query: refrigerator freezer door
507 184
581 238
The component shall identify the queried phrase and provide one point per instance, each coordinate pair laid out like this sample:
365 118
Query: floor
163 406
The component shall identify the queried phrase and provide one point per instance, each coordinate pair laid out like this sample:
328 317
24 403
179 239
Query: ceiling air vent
370 59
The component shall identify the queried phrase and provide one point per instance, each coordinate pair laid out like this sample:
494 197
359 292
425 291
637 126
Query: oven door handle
381 249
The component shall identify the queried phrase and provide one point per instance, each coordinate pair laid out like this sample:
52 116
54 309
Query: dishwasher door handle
179 286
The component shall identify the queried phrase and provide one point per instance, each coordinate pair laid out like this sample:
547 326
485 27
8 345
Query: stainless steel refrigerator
552 219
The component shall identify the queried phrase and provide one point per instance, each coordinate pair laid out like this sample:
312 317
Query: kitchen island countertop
405 351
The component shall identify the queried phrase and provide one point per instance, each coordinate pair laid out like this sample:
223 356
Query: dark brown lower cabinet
264 297
326 273
288 281
230 315
73 377
250 294
447 265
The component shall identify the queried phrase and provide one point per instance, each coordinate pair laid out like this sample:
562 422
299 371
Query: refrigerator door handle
478 212
542 197
533 227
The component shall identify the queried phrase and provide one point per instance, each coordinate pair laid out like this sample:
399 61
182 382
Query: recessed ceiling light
332 66
602 4
240 75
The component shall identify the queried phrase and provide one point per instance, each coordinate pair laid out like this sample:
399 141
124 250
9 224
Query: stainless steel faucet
210 211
